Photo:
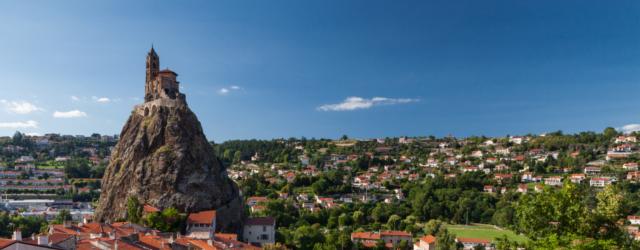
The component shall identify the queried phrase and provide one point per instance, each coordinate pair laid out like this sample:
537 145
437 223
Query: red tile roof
428 239
261 221
167 71
6 242
56 238
473 240
227 236
155 242
150 209
365 235
202 217
395 233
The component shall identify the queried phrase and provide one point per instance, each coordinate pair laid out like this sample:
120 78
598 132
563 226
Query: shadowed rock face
164 159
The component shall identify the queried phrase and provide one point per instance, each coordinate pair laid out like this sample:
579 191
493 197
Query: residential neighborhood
347 183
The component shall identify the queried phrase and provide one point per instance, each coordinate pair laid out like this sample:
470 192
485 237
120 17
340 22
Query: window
264 228
264 237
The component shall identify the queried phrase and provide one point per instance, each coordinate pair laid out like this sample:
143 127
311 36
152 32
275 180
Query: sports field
483 231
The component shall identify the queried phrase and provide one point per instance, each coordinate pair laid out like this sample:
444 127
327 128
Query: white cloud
20 107
629 128
33 134
75 98
69 114
354 103
101 99
16 125
228 90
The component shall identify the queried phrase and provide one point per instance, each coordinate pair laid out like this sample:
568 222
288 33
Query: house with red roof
17 242
634 219
260 230
472 243
148 209
390 238
601 181
630 166
253 200
427 242
201 225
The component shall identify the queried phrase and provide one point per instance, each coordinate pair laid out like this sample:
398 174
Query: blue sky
269 69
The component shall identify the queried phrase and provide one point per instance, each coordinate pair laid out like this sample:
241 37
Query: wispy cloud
19 107
629 128
75 98
355 103
229 89
101 99
17 125
69 114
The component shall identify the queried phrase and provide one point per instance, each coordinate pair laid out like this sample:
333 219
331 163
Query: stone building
160 83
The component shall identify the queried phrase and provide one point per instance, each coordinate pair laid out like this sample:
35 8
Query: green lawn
50 165
483 231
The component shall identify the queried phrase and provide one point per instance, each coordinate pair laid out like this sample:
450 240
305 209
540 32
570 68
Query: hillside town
358 193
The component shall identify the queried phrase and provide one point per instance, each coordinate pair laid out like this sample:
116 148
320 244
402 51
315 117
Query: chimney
209 242
43 240
66 224
17 235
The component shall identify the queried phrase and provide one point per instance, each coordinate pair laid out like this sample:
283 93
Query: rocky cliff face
164 159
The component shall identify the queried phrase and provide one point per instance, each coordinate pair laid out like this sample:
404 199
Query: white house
592 170
472 243
630 166
477 154
634 219
527 177
395 237
601 181
502 151
623 139
201 225
523 188
517 139
577 178
427 242
260 230
553 181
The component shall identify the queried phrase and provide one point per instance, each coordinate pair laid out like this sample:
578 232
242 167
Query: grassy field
483 231
50 165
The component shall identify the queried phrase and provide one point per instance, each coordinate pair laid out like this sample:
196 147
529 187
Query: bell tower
153 67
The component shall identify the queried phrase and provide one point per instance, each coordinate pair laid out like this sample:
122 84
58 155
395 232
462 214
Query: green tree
237 156
610 133
445 240
63 215
169 220
17 138
343 220
358 218
610 202
227 154
305 237
393 222
134 210
432 227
